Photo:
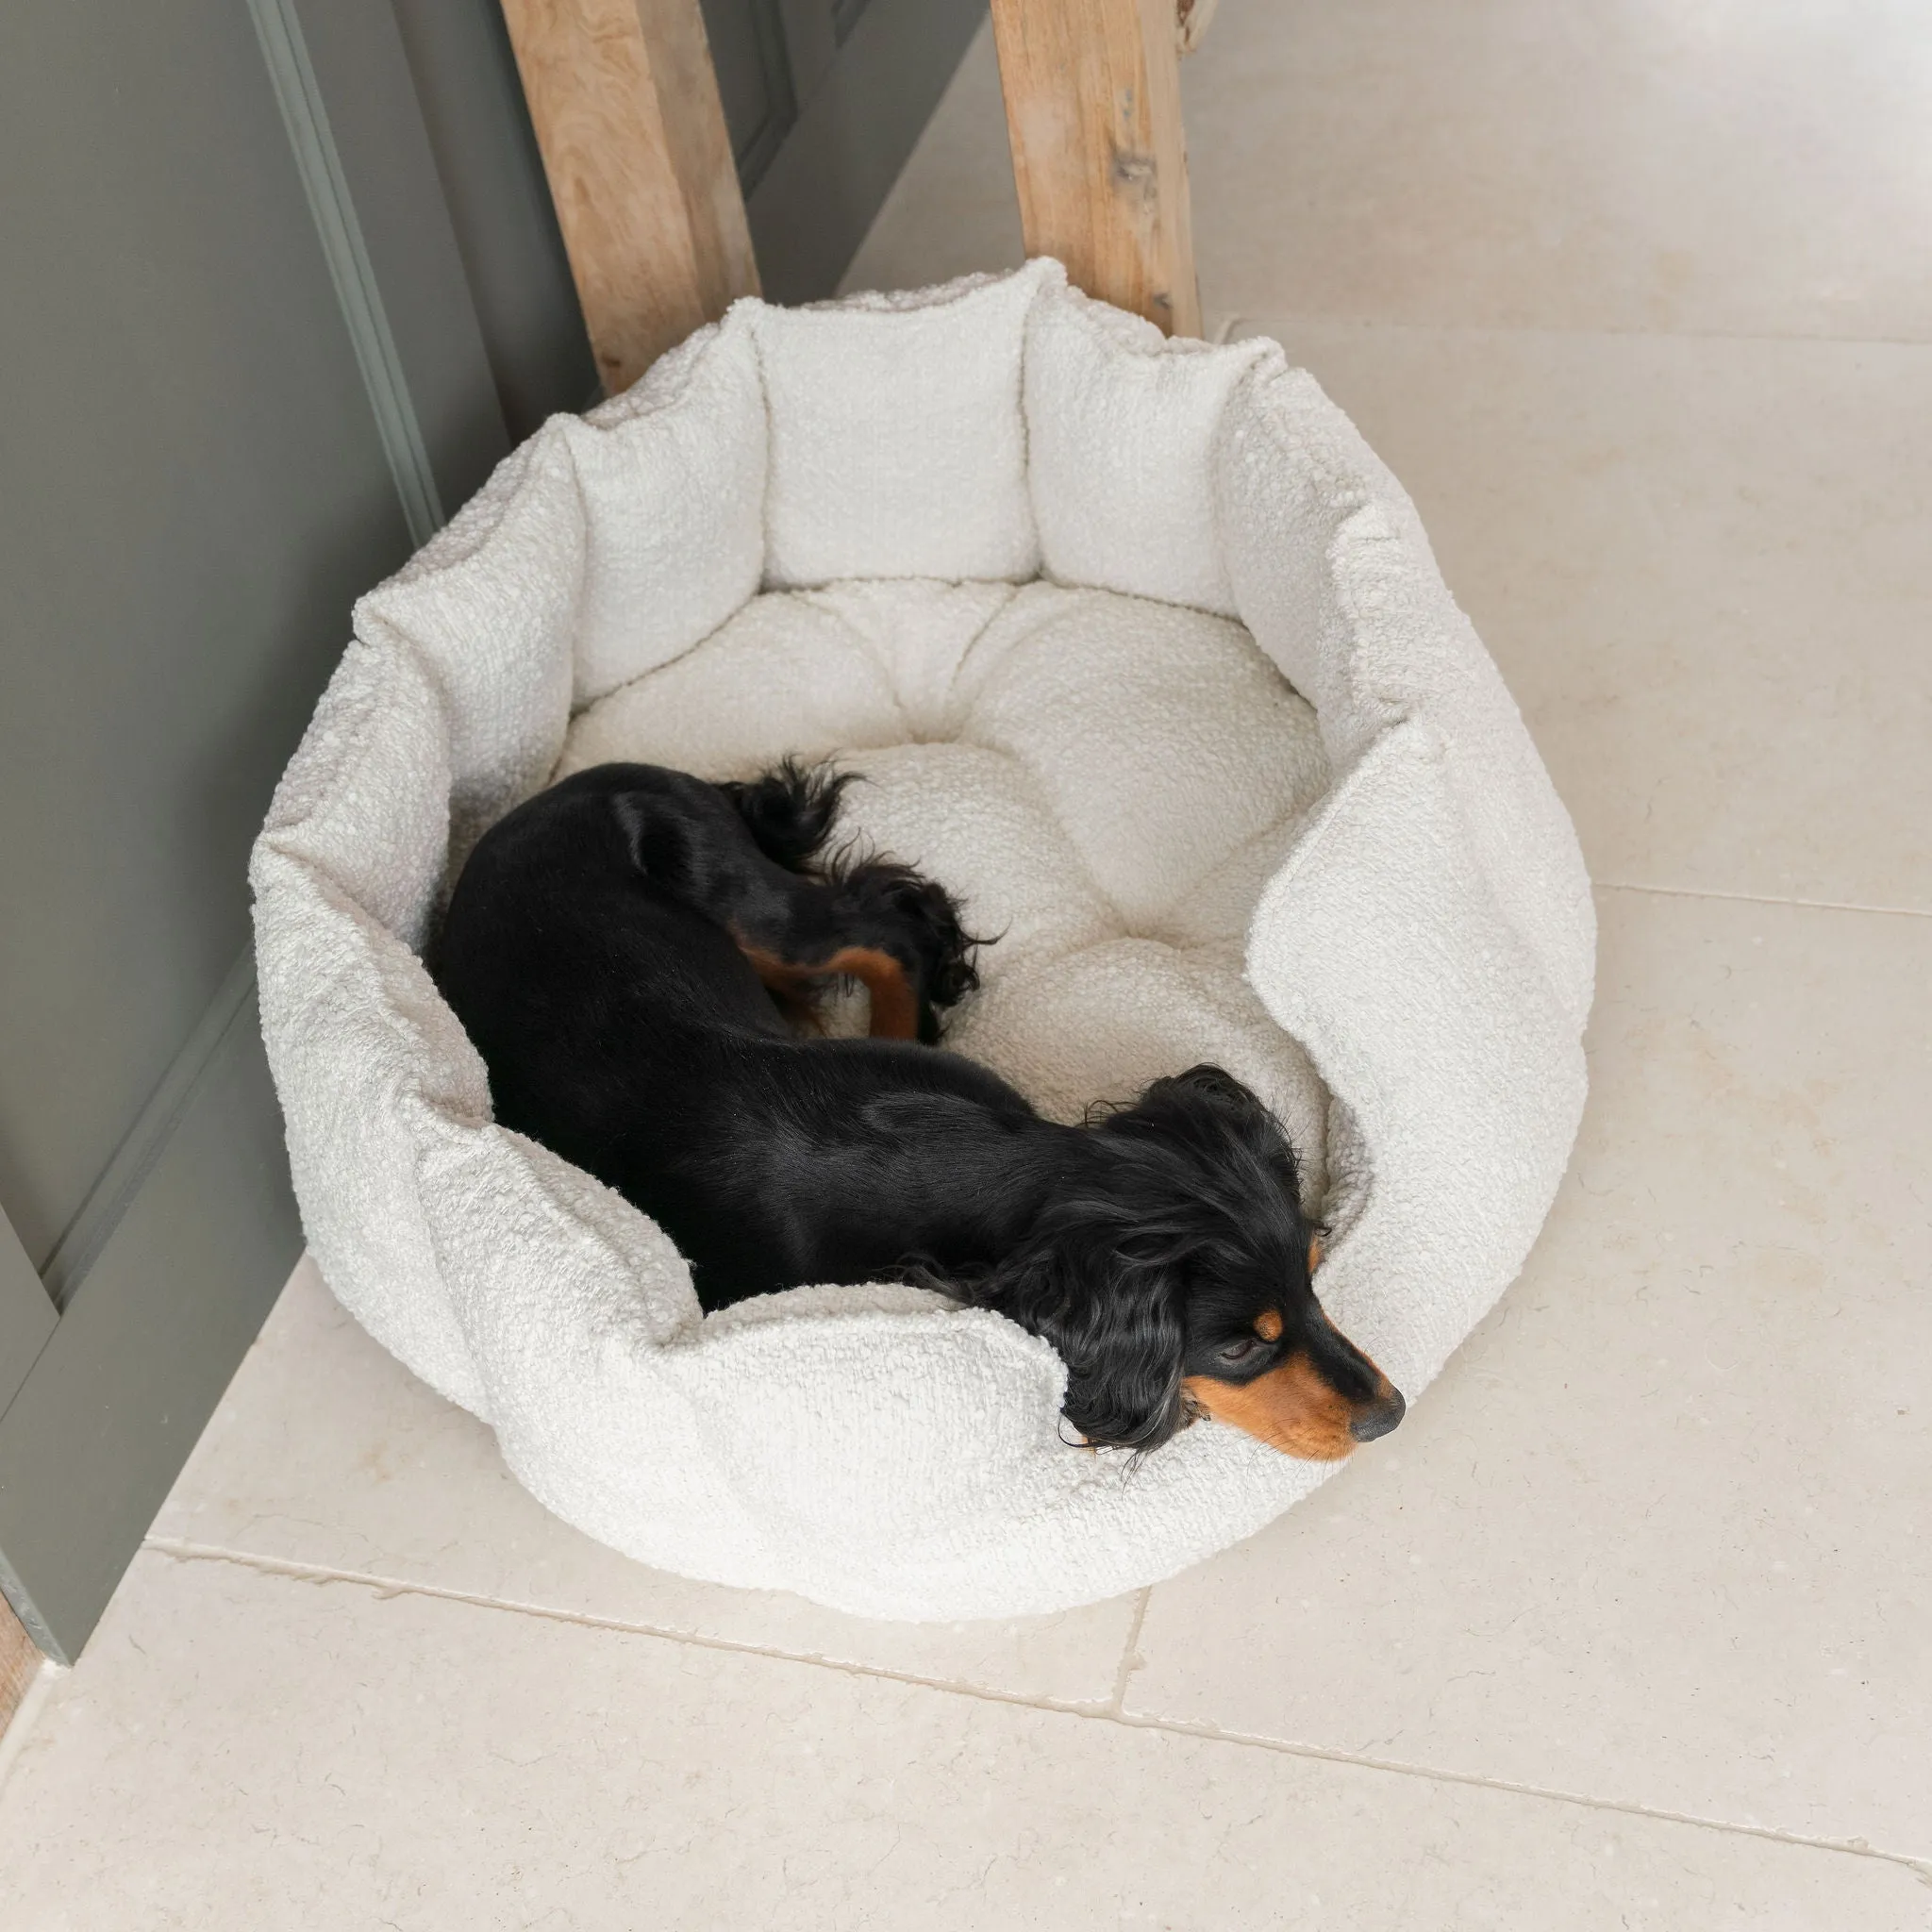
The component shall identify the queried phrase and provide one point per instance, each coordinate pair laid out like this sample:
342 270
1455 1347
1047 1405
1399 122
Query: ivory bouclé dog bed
1142 653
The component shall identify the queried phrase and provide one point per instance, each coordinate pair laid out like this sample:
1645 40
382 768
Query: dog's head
1175 1279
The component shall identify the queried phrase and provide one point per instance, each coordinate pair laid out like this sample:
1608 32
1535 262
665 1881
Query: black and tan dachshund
635 954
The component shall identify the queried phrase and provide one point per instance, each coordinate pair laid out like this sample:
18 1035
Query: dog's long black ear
1208 1099
1208 1108
1115 1318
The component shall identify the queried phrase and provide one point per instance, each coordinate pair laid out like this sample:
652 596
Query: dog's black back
633 1034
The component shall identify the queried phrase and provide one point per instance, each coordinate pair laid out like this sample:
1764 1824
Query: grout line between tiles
1264 315
383 1586
1764 899
1856 1848
25 1716
183 1552
1130 1654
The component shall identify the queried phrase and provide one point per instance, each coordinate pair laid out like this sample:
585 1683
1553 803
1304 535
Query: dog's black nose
1379 1420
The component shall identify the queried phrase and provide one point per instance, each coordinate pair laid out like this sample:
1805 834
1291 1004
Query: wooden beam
19 1664
625 106
1093 111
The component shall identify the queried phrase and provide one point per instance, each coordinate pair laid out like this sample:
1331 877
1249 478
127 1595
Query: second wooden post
1093 110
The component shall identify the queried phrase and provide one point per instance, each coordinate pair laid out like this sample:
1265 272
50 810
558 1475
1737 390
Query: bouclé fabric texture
1136 646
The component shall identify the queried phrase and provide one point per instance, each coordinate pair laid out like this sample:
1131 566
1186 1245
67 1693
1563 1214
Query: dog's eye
1235 1352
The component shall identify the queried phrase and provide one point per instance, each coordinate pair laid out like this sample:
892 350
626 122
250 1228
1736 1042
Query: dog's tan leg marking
895 1008
790 986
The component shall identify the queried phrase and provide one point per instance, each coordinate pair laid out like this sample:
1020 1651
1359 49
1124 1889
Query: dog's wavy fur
636 954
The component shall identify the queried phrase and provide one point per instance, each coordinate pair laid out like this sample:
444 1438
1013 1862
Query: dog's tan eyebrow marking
1268 1324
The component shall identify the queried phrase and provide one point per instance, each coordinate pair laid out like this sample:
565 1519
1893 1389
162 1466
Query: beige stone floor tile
327 1453
1706 570
1598 164
1512 163
1656 1537
252 1752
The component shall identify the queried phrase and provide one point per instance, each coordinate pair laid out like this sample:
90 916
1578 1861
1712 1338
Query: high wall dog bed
1142 652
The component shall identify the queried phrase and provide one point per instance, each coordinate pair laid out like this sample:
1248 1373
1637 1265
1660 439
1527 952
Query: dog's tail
789 811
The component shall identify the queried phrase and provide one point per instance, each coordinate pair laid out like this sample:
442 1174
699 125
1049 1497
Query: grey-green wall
279 282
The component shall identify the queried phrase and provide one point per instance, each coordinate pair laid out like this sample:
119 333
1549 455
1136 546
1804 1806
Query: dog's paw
921 927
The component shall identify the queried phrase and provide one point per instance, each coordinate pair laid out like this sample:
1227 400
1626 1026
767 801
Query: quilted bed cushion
1103 781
